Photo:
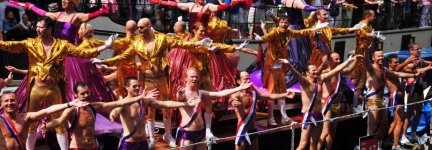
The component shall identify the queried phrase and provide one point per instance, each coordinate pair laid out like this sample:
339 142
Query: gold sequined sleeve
180 43
225 47
15 46
128 54
362 32
299 33
339 30
307 21
121 43
91 43
276 19
75 51
271 34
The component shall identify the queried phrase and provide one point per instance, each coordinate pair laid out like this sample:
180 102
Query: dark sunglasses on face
136 86
140 27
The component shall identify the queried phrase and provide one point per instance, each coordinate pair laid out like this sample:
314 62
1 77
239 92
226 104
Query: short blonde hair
86 30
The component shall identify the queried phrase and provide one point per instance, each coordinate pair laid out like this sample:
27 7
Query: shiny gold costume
274 79
218 30
164 93
326 37
378 102
181 36
157 58
335 108
42 66
125 68
363 41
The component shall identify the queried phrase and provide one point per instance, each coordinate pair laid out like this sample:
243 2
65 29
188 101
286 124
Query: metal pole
368 121
292 135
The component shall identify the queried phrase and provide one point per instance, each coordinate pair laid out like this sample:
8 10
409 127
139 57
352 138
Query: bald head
179 27
144 26
144 22
130 27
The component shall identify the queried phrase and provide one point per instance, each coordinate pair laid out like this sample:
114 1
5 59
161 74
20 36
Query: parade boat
346 137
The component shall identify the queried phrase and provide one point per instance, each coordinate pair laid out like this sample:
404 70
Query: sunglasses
140 27
136 86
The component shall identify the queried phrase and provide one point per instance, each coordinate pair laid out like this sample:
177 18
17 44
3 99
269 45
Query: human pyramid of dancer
64 83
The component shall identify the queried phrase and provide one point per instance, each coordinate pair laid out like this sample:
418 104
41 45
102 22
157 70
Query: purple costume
134 145
194 136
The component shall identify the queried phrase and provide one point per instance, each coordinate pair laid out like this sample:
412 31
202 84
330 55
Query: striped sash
124 138
308 113
393 99
241 126
195 113
333 95
13 131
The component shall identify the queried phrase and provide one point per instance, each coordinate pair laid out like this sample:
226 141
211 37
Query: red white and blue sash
124 138
393 99
74 124
412 87
332 96
195 114
242 125
372 93
308 114
13 131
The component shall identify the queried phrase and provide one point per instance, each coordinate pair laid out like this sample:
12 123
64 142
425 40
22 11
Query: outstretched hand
96 61
355 56
284 61
270 13
214 48
206 42
257 37
290 94
242 45
244 85
152 94
111 40
193 102
11 68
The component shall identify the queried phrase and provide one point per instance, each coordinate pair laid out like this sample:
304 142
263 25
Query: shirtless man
375 81
414 87
192 129
245 101
15 126
397 96
312 90
331 99
133 134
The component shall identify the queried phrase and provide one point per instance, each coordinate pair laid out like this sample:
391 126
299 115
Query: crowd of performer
197 74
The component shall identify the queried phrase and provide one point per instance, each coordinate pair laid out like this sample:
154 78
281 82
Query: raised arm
101 106
249 51
128 54
289 95
405 63
339 67
350 69
323 65
35 116
90 16
182 6
223 93
366 61
36 10
171 104
297 74
405 75
61 120
17 47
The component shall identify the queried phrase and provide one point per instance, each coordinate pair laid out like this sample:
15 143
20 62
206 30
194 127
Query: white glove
312 13
214 48
95 61
321 25
111 40
257 37
242 45
152 29
234 30
206 42
380 36
180 18
170 34
373 33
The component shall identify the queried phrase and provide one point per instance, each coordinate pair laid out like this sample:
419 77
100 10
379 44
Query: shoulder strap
123 139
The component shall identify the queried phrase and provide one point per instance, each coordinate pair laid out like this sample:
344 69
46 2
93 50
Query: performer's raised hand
11 68
244 85
214 48
284 61
380 36
257 37
205 42
355 56
290 94
96 61
270 13
263 25
170 34
78 103
110 40
154 1
193 102
152 94
242 45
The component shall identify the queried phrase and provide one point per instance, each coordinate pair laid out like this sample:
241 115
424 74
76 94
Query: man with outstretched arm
311 93
15 126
